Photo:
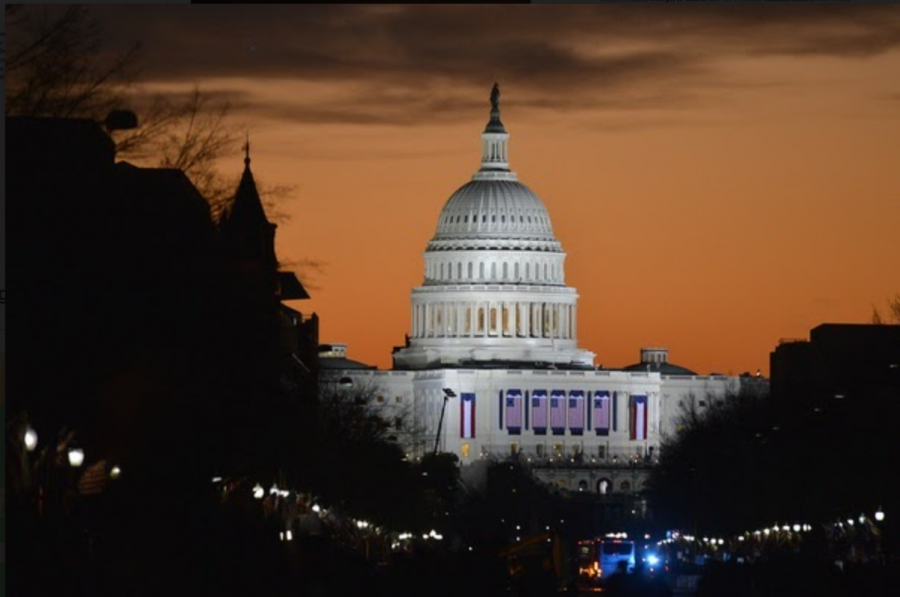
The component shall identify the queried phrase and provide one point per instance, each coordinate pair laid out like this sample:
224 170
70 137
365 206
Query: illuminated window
480 322
464 450
513 449
604 486
558 450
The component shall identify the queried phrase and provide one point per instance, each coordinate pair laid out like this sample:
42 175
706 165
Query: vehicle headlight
652 560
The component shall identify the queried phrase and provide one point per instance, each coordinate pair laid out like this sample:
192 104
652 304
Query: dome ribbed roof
496 209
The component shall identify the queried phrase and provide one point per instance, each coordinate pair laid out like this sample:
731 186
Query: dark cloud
404 64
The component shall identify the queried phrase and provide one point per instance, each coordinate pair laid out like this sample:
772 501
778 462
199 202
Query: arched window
493 329
493 271
480 321
470 270
516 272
459 271
528 271
442 271
505 270
481 271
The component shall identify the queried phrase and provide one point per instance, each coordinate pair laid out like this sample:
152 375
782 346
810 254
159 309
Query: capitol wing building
493 344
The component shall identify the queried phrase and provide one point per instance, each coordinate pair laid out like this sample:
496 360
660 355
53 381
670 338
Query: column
574 322
527 319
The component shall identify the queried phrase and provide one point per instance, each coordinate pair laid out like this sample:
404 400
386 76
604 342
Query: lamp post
448 393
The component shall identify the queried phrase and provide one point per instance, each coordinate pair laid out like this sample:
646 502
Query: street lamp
76 457
879 515
31 439
448 393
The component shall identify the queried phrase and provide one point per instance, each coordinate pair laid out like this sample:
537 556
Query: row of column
484 319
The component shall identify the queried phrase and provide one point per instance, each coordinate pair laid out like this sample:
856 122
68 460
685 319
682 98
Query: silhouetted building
248 239
136 308
839 361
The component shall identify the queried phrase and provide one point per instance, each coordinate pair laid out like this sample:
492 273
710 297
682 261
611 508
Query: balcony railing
557 459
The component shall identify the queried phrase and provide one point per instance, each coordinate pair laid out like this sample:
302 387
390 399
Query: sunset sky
720 176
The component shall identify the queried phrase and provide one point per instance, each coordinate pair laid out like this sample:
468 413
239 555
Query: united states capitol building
492 367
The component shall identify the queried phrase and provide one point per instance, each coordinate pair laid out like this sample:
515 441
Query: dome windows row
464 219
513 271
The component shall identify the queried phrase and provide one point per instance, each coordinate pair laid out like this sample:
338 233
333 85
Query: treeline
754 460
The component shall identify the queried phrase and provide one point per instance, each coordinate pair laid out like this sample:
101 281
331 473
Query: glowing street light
76 457
879 515
258 491
31 439
115 472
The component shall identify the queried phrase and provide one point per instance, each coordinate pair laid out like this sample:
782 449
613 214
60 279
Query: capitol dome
494 209
494 289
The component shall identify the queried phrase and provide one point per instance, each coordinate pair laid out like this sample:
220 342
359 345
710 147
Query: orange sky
712 204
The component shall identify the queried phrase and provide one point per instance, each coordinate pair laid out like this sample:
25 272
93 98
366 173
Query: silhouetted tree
893 309
59 65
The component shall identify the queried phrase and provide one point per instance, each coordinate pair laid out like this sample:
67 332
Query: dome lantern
495 159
